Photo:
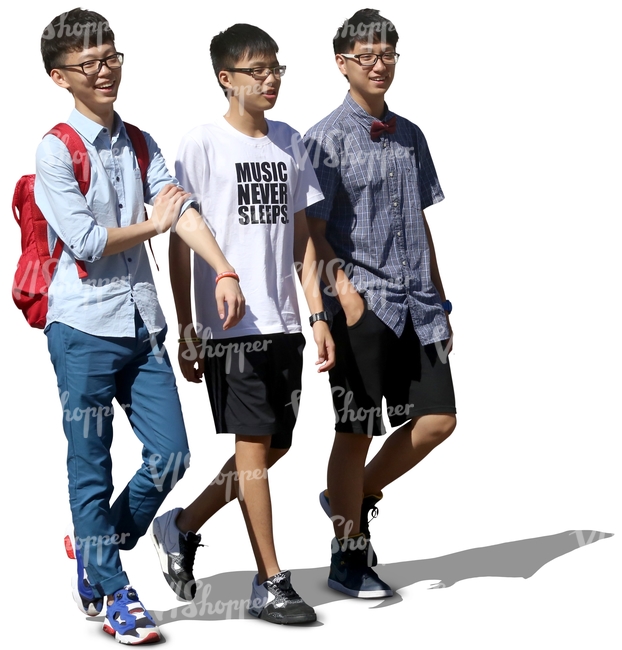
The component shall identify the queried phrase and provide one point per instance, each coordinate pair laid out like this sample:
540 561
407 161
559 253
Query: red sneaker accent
69 548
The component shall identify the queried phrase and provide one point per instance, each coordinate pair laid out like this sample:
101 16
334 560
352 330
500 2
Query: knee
167 468
437 428
274 455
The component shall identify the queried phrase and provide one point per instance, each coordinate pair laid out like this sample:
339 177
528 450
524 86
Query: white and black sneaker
276 601
176 551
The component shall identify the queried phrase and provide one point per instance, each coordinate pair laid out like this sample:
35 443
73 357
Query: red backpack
36 266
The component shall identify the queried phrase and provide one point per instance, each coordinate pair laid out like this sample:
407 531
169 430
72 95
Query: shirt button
390 174
129 259
118 179
403 262
395 204
120 205
399 233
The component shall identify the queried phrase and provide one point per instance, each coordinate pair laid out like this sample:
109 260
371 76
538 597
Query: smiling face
249 94
368 84
94 95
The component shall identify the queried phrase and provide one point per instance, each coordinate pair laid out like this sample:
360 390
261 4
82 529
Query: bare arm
189 354
166 207
307 265
192 230
436 276
333 272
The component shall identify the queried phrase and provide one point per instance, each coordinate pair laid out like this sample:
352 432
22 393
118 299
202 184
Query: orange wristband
227 274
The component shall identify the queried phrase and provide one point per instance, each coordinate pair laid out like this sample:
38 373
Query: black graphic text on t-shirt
262 192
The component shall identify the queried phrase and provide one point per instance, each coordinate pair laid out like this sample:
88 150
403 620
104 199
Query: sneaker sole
377 593
291 620
152 637
163 558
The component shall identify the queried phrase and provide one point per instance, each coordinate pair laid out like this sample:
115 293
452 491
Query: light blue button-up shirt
104 303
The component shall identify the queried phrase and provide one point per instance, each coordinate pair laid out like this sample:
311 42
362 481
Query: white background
520 105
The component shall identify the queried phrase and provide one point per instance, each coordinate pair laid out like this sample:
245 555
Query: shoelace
374 513
189 551
288 593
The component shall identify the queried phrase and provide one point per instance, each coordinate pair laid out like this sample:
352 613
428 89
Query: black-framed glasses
90 68
369 59
260 74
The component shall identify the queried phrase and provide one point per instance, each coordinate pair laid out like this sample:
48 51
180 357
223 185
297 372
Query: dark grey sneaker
349 570
276 601
176 551
368 507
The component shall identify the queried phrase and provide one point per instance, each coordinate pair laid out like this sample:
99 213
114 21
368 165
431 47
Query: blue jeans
91 371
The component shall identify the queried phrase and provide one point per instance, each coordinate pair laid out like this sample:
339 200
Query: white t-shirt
248 190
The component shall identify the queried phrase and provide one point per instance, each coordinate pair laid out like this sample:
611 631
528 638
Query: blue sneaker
88 601
128 620
349 570
367 507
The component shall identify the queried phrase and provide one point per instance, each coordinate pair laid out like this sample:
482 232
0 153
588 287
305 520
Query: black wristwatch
321 315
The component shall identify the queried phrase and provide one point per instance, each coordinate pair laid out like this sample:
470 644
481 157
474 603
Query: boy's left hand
325 346
228 291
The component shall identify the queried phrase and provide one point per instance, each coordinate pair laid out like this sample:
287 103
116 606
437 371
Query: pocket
361 317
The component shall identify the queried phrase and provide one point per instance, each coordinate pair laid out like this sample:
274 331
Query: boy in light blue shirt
106 332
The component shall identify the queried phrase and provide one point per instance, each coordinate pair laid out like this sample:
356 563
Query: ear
341 64
224 76
58 77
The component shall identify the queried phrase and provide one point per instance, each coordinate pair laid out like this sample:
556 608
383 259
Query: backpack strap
137 138
81 170
79 156
139 144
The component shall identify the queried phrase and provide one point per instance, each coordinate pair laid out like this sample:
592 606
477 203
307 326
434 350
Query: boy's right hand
167 206
191 358
228 291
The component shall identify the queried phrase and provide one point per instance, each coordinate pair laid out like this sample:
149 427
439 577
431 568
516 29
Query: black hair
73 31
238 42
365 26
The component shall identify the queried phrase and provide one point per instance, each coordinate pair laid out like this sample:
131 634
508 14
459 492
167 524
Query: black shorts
254 385
372 363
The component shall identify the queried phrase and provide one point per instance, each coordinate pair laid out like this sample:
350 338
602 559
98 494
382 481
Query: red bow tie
378 128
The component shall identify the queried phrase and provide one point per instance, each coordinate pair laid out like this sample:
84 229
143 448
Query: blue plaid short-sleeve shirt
375 192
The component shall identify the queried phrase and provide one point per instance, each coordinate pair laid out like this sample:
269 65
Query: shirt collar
89 129
361 114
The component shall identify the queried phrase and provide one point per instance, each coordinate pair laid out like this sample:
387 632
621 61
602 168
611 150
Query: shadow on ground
225 596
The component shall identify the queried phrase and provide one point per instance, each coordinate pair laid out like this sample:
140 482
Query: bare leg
346 469
404 448
251 458
222 490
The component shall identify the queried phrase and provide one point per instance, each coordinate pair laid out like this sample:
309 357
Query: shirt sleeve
190 167
63 205
191 170
324 156
429 187
307 191
158 175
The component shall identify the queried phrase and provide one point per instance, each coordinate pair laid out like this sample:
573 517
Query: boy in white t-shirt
245 173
